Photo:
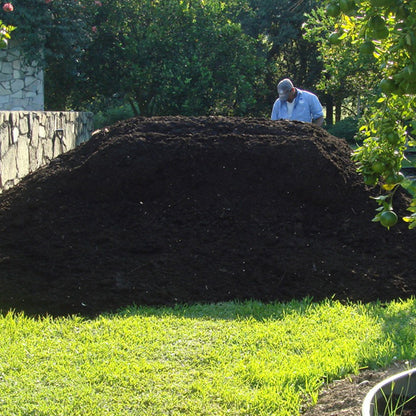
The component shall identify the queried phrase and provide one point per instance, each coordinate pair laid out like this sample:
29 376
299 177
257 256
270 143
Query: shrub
345 129
112 115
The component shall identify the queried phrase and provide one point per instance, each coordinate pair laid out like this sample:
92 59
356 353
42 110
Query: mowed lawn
224 359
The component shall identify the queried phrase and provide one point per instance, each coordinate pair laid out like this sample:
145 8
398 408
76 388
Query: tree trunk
337 111
329 105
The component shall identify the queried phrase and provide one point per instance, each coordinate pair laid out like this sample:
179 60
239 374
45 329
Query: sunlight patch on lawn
223 359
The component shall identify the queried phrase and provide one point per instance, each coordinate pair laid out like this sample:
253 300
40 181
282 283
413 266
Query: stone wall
21 85
29 140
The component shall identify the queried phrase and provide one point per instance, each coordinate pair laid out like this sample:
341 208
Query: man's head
285 89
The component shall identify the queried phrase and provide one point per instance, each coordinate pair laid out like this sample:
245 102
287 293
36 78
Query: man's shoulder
305 93
277 103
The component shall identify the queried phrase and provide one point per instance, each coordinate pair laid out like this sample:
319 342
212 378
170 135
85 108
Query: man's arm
317 111
319 121
275 110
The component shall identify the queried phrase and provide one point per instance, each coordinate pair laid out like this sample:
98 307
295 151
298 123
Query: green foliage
5 31
385 31
111 115
53 34
222 359
170 57
346 129
349 72
173 57
278 25
46 28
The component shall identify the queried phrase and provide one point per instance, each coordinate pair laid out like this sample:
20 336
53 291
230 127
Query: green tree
387 27
348 72
172 57
279 26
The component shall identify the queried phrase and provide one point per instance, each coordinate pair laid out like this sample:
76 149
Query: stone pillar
21 85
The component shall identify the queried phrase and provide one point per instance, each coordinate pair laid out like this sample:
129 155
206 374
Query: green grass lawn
224 359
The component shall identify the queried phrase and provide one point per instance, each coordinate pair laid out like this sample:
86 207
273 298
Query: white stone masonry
21 85
31 139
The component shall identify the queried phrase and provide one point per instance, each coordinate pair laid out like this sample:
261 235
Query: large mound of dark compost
168 210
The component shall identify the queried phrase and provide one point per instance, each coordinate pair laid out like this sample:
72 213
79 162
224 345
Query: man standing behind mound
296 104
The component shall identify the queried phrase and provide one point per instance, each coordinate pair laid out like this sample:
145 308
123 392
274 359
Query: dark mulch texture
162 210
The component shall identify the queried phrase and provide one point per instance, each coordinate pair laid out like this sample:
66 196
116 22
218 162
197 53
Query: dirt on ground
345 397
165 210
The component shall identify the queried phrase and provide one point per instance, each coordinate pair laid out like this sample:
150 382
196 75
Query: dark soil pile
163 210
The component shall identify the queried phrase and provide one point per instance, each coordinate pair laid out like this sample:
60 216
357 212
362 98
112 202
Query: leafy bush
345 129
112 115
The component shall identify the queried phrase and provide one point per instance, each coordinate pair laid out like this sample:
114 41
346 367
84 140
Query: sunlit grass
225 359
